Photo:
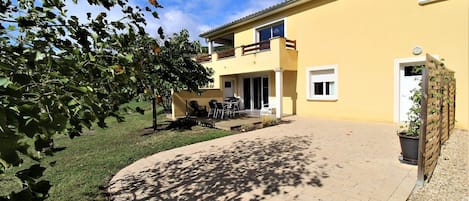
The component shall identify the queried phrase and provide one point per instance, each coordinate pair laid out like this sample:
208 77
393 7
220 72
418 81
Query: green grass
90 160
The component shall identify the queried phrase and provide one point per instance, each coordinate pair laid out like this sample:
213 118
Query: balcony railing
226 53
263 45
290 44
203 58
246 49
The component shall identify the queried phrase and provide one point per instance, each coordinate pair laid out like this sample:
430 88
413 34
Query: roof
249 18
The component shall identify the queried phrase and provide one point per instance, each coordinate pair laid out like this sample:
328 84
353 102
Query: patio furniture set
229 108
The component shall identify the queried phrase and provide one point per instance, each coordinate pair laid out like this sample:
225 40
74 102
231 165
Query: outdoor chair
197 110
232 108
235 108
213 108
220 110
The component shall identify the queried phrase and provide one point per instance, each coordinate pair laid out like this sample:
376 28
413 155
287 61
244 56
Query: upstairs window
270 31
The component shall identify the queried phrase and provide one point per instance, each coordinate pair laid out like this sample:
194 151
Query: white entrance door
409 79
228 88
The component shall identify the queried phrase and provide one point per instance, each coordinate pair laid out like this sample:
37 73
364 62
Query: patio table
232 108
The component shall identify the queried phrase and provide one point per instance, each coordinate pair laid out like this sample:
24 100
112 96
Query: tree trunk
153 102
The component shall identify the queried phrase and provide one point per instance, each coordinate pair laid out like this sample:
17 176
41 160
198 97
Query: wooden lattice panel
445 107
438 110
452 100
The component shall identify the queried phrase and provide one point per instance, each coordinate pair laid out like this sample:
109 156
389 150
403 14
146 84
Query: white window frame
309 85
257 28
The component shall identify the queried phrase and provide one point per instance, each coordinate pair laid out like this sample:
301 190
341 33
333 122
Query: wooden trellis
438 109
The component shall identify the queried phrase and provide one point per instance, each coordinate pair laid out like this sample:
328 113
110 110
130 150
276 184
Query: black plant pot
410 148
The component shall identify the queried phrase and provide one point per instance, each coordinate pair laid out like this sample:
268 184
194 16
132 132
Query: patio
227 115
245 118
303 159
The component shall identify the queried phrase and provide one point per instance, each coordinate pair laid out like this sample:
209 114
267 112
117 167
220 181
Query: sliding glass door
247 93
255 92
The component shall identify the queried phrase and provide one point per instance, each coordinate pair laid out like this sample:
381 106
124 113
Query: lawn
87 162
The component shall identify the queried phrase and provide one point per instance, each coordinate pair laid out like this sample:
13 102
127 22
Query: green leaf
72 102
11 28
4 66
129 57
94 35
133 79
155 15
3 120
160 32
64 80
4 82
40 56
92 57
81 89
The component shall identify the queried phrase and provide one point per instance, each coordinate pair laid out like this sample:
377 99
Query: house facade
336 59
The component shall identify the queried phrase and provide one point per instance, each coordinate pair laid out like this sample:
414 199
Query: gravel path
450 180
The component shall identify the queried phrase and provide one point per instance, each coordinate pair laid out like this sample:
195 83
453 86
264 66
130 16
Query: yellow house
341 59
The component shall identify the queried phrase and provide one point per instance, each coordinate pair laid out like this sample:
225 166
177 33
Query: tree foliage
60 74
176 53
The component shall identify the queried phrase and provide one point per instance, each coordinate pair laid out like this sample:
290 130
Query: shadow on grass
253 170
181 124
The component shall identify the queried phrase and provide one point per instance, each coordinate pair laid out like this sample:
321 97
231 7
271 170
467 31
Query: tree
59 75
171 66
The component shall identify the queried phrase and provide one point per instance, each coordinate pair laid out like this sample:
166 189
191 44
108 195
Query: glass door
257 96
265 91
247 93
255 92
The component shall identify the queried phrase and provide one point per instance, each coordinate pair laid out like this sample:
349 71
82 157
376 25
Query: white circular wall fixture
417 50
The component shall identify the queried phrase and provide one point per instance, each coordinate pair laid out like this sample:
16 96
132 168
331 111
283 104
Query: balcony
263 56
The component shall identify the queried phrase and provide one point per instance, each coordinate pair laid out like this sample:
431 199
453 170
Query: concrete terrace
303 159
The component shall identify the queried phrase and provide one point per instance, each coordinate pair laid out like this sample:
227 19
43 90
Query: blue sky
201 15
194 15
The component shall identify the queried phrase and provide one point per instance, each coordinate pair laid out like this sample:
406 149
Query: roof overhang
253 17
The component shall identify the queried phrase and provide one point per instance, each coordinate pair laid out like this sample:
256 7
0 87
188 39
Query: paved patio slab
305 159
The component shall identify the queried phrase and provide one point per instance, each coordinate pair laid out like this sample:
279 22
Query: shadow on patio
247 170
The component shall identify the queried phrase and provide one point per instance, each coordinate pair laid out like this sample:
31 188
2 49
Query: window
227 84
322 83
413 70
270 31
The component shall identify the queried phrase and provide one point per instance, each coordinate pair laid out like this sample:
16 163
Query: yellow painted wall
364 38
289 92
266 60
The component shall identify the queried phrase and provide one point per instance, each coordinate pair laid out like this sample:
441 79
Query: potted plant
409 132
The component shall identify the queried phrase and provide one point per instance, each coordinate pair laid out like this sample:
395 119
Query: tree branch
7 20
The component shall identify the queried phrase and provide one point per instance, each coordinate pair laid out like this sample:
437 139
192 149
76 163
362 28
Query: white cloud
196 16
174 20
